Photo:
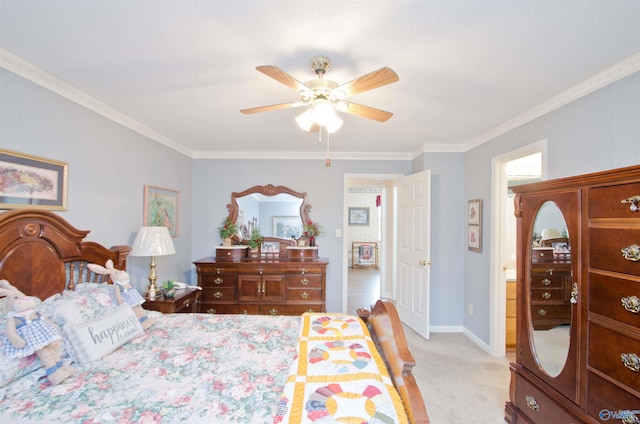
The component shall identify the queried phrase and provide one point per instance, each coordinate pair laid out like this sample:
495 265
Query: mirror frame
269 190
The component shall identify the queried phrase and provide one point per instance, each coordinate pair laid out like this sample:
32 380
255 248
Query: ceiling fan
326 96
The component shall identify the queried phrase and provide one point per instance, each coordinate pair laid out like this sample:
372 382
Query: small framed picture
32 182
161 208
474 238
474 220
359 216
287 226
270 247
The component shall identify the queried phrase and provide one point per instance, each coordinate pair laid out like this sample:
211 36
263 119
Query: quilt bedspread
338 376
193 368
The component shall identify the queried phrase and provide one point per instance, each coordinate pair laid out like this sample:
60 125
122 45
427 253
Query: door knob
423 262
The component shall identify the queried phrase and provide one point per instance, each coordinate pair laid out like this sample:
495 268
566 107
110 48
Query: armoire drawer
551 295
605 400
606 348
605 250
606 202
615 298
540 281
542 311
538 406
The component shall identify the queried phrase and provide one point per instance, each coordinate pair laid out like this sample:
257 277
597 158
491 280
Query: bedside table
185 300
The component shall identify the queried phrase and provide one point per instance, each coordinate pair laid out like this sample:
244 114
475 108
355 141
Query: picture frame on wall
32 182
359 216
474 221
161 208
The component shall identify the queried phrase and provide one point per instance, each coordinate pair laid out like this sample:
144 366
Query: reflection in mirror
551 288
276 210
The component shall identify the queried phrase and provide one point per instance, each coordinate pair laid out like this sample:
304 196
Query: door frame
386 257
498 286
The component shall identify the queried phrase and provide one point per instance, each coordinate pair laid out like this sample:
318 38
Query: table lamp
152 241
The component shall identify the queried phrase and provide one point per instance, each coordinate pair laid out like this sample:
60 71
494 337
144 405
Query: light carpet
460 383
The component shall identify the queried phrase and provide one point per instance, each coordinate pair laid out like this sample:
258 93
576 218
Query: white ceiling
182 70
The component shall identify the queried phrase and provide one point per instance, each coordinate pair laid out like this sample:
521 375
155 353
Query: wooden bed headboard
42 254
386 330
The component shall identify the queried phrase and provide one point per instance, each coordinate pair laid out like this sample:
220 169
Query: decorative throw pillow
95 339
88 302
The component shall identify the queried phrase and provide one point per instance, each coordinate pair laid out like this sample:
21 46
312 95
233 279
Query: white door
413 250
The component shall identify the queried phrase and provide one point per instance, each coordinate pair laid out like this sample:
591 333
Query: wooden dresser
258 286
599 308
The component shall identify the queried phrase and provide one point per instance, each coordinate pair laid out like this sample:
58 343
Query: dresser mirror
277 211
550 286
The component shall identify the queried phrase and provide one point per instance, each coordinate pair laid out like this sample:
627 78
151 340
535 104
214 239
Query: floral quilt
338 376
194 368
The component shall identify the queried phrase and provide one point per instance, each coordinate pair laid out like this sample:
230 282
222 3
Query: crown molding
368 156
30 72
601 79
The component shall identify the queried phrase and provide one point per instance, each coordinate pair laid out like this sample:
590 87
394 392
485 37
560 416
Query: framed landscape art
161 208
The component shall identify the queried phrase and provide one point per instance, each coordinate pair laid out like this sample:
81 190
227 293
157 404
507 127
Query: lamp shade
152 241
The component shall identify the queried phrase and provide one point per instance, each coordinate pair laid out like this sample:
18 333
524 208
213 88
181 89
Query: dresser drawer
307 280
538 406
605 250
304 269
230 309
304 295
215 280
605 401
605 350
218 294
606 296
550 295
606 202
290 309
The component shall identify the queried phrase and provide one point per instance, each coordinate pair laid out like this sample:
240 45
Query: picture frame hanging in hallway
474 221
359 216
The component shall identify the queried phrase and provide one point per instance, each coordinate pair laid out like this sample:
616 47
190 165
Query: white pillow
95 339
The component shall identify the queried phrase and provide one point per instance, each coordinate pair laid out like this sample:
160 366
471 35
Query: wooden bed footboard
42 254
386 330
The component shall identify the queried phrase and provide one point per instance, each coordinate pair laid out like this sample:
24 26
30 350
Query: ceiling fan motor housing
320 64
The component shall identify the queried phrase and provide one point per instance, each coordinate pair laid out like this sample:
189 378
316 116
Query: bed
194 367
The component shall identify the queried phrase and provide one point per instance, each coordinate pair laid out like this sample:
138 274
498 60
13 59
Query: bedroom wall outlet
338 232
470 309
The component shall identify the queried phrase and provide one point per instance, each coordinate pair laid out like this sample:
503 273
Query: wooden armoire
578 308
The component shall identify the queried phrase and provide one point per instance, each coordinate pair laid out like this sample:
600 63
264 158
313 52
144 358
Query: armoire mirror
273 209
551 293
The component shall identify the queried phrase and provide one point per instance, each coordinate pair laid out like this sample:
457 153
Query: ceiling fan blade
365 111
375 79
272 107
282 77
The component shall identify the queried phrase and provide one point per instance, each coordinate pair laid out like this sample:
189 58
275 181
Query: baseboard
446 329
481 344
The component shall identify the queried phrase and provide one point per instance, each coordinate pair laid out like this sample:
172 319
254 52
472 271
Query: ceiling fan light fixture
306 120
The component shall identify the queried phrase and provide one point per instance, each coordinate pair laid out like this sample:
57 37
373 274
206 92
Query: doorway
372 276
517 167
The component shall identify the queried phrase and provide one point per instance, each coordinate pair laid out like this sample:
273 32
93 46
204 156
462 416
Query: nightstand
185 300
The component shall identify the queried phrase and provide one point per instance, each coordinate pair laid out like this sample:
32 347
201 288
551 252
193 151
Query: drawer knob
218 281
211 311
546 295
633 203
304 281
532 403
310 310
631 361
546 281
542 312
631 253
186 303
217 295
631 304
304 295
273 311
